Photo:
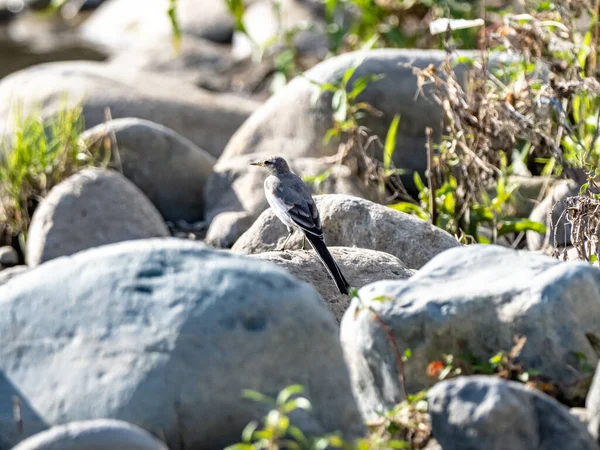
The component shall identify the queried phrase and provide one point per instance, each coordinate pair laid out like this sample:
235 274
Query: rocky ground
151 293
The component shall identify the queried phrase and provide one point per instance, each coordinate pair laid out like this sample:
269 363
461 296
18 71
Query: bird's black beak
258 163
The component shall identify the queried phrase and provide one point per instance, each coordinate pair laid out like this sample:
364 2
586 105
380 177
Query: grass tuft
36 156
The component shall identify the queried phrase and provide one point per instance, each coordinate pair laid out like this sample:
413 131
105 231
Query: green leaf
359 85
382 298
297 403
497 358
172 12
583 188
287 392
297 434
410 208
418 182
519 225
390 143
331 133
257 396
339 105
249 430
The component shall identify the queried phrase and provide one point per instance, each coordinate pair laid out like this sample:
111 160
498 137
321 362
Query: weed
276 431
37 156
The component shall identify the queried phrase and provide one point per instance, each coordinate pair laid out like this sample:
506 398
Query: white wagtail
294 206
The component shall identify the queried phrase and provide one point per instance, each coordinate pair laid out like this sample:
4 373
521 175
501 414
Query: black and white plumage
294 206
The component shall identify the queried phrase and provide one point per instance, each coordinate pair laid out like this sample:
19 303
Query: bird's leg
303 242
290 232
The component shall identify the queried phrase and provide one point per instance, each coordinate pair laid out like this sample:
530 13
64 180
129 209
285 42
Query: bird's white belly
279 208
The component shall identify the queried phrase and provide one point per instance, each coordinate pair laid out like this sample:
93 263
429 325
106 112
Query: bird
293 205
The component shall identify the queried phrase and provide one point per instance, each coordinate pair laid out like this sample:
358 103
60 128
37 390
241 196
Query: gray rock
592 404
91 208
129 23
169 169
360 267
351 221
12 272
235 186
165 334
479 412
101 434
197 60
227 227
8 256
289 125
473 300
205 118
581 414
548 212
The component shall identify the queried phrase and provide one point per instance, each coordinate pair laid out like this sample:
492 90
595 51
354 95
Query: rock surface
165 334
290 126
479 412
196 61
93 435
235 186
359 266
350 221
122 23
91 208
227 227
549 212
592 404
205 118
12 272
8 256
473 301
169 169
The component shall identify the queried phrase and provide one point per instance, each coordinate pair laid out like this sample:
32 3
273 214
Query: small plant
408 424
442 208
395 23
276 431
36 157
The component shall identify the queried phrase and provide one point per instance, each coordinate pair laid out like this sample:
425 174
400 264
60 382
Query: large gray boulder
94 207
354 222
205 118
168 168
100 434
236 187
165 334
473 299
198 61
288 124
483 412
359 266
122 23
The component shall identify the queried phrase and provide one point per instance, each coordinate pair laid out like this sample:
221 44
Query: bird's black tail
329 263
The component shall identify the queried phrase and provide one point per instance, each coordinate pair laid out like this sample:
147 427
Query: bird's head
275 164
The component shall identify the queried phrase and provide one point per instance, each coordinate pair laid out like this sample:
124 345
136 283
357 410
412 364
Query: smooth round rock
94 207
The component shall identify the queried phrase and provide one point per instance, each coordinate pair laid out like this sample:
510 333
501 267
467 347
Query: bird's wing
301 208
